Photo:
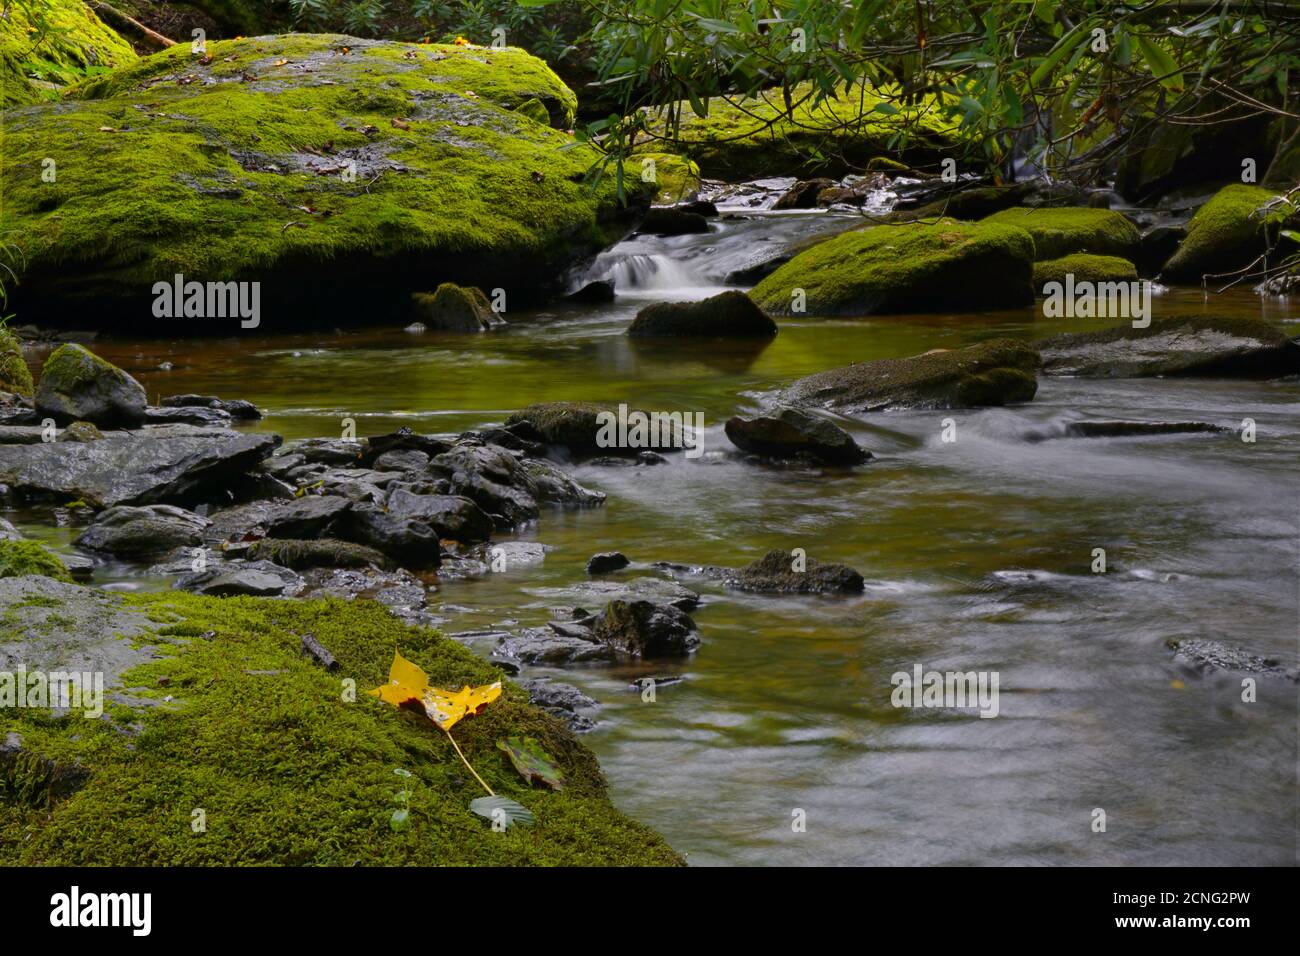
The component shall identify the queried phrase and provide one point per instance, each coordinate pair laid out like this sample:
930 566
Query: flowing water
977 555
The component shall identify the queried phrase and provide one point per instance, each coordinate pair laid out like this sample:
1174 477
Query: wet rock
803 194
654 590
397 589
305 517
775 573
344 452
671 221
409 542
8 532
546 645
142 532
1193 345
299 555
730 314
1213 655
451 516
570 425
128 470
551 485
790 433
1159 243
996 372
236 408
639 630
607 561
404 439
187 414
1122 429
408 459
78 385
594 293
561 700
454 308
239 577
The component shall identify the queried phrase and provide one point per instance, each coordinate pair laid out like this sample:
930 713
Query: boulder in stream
142 532
779 572
78 385
730 314
454 308
1228 233
786 432
1067 230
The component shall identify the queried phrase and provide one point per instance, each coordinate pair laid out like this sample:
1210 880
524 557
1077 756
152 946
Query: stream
976 555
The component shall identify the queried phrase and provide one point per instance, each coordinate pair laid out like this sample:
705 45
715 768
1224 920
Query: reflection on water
786 704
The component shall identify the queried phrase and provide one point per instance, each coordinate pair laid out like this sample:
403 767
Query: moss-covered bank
266 748
336 171
46 45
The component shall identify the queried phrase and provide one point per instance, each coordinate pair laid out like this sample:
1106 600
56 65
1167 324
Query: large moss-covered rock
729 314
917 267
340 173
15 376
1070 229
753 137
78 385
1191 345
288 765
1085 268
997 372
48 44
1227 233
453 308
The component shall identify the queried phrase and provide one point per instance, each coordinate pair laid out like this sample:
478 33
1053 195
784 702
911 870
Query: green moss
288 772
752 138
48 44
1227 233
917 267
18 558
675 177
1085 268
214 170
15 376
1070 229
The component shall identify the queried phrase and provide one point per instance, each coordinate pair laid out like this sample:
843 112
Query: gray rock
408 541
1213 655
607 561
253 578
1192 345
546 645
234 407
306 517
451 516
188 415
790 433
654 590
142 532
408 459
561 700
78 385
133 470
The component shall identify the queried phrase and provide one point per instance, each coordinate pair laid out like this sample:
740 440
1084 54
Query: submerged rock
1122 429
607 561
1068 230
729 314
1193 345
78 385
916 267
669 221
1214 655
454 308
561 700
775 573
790 433
133 470
996 372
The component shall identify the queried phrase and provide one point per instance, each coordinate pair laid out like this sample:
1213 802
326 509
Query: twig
120 20
491 793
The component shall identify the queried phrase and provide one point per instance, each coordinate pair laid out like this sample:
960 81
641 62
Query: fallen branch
121 22
318 652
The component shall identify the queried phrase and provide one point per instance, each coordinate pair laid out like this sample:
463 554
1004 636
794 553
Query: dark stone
187 414
306 517
451 516
594 293
640 630
803 194
411 543
454 308
790 433
318 553
669 221
404 439
606 562
774 573
236 408
730 314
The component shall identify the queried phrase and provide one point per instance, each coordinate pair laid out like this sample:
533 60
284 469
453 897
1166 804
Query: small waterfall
647 271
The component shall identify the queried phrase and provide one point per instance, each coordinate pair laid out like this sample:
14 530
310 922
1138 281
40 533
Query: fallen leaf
504 809
533 763
408 684
400 123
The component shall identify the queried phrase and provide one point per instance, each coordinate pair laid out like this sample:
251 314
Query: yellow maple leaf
407 683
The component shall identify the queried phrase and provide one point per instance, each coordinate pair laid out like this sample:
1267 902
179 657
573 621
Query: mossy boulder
1215 346
1070 229
997 372
317 553
1227 233
453 308
289 763
78 385
916 267
753 138
20 557
1085 268
729 314
46 45
341 174
15 376
571 425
